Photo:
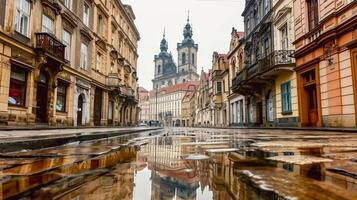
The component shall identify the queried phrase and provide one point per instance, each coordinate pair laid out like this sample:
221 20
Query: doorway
80 110
259 113
269 104
42 98
110 112
312 104
309 104
98 106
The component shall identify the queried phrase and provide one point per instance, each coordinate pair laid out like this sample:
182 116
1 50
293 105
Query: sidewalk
349 130
16 140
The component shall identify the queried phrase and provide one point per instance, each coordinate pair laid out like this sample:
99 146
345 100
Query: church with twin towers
167 73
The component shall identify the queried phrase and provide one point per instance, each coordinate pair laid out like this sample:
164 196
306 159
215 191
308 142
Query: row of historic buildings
294 65
68 63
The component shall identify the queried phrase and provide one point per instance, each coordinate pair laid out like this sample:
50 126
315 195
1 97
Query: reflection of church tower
165 68
187 55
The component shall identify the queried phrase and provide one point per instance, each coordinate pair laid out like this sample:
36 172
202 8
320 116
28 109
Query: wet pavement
188 164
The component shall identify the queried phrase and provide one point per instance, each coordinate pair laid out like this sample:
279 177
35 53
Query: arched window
240 60
159 69
193 58
183 58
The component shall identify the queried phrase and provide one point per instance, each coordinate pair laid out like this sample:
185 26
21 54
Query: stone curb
349 130
32 143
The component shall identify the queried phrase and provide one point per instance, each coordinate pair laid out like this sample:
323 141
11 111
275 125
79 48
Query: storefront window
17 90
61 97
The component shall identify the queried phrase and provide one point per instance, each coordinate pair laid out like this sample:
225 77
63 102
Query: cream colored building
68 63
166 103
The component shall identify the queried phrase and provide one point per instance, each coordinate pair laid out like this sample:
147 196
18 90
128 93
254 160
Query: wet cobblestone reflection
189 164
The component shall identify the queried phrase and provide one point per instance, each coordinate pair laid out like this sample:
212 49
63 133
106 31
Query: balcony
48 44
113 80
256 75
127 91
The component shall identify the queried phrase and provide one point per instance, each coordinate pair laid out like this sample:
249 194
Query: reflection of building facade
61 58
188 108
166 103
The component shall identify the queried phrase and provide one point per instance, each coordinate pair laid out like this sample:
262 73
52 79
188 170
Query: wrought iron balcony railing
49 44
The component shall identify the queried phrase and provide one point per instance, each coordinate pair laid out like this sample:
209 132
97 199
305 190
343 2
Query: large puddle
188 164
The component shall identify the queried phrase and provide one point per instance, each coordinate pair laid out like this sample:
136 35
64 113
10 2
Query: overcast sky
212 22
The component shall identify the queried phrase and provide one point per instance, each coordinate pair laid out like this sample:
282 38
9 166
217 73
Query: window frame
84 58
286 102
284 34
24 84
85 16
68 44
312 14
68 4
20 12
46 29
62 94
98 61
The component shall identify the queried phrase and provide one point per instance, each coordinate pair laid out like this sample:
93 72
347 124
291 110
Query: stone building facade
68 63
144 106
236 60
166 71
267 79
220 89
166 103
326 54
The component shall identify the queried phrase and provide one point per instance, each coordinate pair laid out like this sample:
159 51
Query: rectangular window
266 47
313 14
98 61
286 97
86 14
22 19
100 25
67 41
61 96
47 24
68 4
17 90
84 56
266 6
284 37
219 87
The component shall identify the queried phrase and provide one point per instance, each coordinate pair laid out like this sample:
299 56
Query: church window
183 58
159 69
193 58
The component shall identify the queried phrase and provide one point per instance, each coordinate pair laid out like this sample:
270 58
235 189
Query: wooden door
97 107
313 116
42 98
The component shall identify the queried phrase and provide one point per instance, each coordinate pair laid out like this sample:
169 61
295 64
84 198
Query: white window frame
67 40
86 7
22 20
47 24
84 56
284 33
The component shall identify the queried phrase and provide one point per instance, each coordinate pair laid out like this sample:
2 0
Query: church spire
164 45
188 16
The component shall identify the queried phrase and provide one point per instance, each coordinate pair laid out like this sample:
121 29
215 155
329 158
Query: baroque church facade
167 73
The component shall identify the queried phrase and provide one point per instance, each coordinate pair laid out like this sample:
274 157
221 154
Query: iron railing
48 43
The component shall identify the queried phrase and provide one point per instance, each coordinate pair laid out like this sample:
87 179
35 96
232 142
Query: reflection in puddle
188 164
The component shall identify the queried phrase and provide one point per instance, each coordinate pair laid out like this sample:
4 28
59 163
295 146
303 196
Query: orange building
326 62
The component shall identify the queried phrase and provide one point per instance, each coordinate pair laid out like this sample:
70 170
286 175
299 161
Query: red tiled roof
176 88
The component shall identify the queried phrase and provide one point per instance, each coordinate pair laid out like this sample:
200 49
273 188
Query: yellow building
220 83
68 63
